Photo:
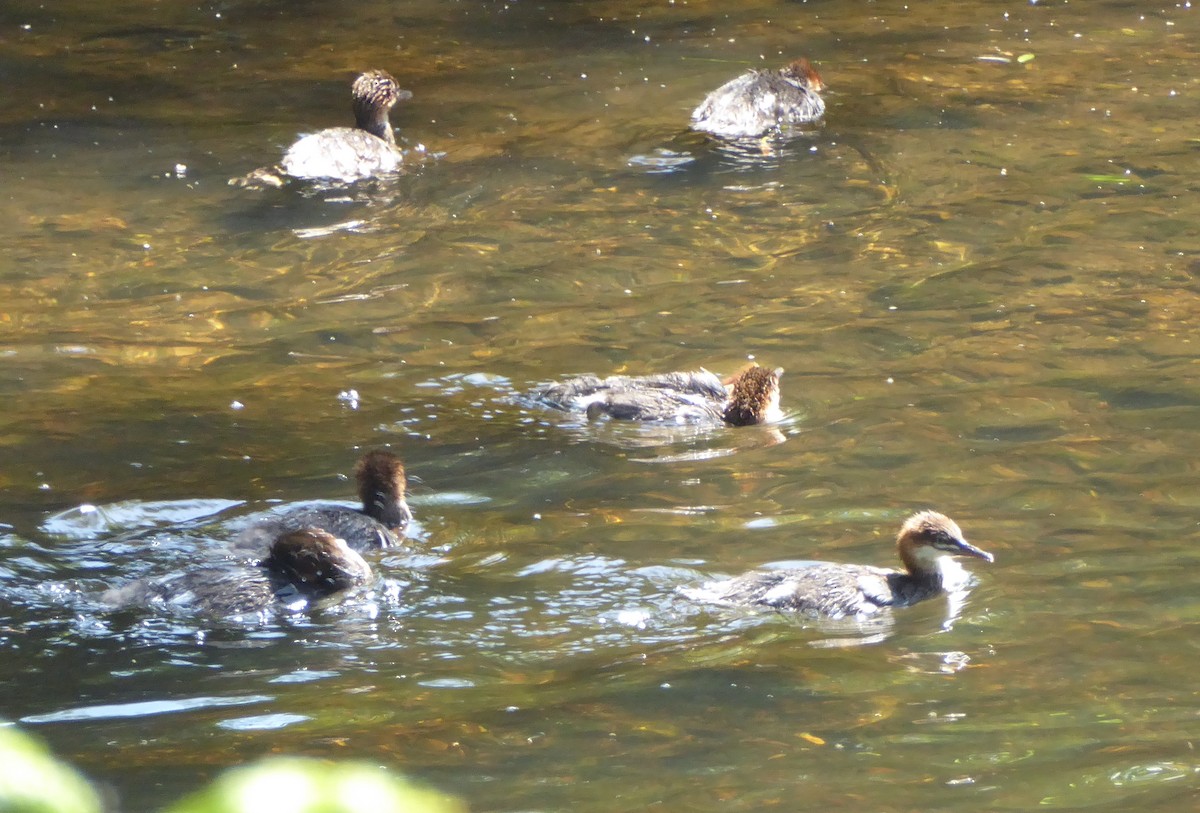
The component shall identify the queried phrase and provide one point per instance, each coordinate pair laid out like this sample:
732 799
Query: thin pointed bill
967 549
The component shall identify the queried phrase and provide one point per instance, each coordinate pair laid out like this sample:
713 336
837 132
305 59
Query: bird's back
340 153
362 533
685 397
822 589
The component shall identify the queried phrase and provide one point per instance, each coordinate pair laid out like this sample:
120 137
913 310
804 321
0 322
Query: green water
979 276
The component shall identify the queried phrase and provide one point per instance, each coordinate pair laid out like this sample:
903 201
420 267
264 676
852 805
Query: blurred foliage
314 786
33 781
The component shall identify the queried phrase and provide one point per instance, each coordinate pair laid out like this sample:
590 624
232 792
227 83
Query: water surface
978 274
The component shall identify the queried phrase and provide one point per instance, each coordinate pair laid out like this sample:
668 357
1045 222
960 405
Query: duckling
753 397
927 543
760 101
378 524
307 563
749 397
316 562
344 154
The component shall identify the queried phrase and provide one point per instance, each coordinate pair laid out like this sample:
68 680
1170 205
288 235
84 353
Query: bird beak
967 549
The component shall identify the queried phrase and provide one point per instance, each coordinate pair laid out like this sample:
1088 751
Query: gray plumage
302 566
698 397
926 544
762 100
694 397
340 154
825 589
378 524
344 154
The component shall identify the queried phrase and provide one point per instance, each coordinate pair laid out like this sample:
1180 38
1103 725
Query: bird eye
945 541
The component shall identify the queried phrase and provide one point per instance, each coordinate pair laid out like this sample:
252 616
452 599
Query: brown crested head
381 487
753 396
376 89
312 559
375 92
803 71
927 535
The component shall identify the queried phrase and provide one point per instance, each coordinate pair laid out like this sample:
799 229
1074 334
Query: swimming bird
316 562
344 154
301 566
378 524
927 544
759 101
749 397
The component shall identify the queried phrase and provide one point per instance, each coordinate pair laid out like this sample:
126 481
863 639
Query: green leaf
33 781
312 786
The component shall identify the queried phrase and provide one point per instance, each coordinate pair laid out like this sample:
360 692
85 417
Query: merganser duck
344 154
378 524
316 562
305 564
749 397
927 543
759 101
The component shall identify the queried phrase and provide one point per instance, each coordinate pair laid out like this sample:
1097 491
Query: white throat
949 572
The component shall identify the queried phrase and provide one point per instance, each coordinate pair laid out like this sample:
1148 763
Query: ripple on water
90 521
145 708
1011 243
1155 772
263 722
303 676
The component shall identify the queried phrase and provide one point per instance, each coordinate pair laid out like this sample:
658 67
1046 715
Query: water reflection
143 709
